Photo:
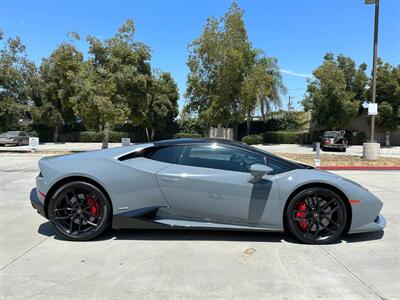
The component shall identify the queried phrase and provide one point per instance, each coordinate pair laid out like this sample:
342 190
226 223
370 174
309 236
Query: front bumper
36 203
334 146
377 225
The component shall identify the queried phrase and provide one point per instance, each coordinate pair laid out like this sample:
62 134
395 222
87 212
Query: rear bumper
36 204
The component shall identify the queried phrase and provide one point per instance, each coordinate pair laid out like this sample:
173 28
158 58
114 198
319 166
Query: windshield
9 133
330 134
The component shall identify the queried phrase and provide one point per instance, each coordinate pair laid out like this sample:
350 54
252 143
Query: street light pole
375 55
371 149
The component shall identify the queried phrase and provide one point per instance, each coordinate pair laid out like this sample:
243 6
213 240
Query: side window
277 167
169 154
219 157
21 134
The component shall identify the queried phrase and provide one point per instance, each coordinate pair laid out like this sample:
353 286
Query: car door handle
170 179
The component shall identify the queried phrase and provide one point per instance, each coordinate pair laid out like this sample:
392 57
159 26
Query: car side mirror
258 171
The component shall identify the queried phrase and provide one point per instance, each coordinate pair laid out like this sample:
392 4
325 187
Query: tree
218 62
336 91
15 92
57 76
261 87
163 103
387 97
112 86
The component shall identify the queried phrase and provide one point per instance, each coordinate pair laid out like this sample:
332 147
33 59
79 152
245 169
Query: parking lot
153 264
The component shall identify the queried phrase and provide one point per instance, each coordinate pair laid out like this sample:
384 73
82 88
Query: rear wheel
79 211
316 216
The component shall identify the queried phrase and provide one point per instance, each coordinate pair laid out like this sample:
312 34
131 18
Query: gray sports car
199 184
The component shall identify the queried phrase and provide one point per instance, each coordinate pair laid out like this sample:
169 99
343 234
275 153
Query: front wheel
79 211
316 216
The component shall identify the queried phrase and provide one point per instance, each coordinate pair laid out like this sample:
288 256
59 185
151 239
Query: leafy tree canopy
387 95
218 62
112 85
335 92
16 72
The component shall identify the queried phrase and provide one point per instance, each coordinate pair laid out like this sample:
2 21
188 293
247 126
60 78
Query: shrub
188 135
253 139
285 137
355 137
32 133
274 124
88 137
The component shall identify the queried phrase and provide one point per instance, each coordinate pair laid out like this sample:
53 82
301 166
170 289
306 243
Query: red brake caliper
93 204
302 214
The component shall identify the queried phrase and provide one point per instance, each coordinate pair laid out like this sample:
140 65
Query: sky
297 32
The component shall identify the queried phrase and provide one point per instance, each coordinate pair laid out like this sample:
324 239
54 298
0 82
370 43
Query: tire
79 211
19 143
316 216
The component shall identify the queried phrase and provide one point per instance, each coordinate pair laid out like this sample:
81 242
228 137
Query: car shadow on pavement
206 235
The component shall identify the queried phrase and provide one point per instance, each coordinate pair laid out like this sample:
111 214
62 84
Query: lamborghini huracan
199 184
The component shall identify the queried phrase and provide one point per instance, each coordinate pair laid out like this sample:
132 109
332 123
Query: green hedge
253 139
187 135
286 137
355 137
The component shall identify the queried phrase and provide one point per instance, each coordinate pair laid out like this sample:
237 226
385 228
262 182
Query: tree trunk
55 134
147 134
248 123
219 131
235 131
105 135
262 109
152 134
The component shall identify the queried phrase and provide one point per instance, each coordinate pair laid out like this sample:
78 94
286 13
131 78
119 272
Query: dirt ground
342 160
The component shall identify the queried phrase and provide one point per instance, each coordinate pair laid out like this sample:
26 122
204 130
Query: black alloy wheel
79 211
316 216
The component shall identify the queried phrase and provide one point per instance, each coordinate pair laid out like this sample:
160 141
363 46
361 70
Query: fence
221 133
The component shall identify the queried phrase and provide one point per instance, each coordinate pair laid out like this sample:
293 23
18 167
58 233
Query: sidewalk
59 147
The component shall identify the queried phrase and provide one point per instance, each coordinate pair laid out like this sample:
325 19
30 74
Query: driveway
153 264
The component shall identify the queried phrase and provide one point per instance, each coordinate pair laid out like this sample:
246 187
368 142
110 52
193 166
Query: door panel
219 195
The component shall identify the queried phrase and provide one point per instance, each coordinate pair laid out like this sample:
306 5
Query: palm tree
261 88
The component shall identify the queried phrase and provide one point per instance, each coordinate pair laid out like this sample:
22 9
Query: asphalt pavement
140 264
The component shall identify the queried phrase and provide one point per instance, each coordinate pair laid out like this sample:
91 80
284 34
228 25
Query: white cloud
289 72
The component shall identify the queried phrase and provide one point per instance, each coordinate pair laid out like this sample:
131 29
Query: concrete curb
361 168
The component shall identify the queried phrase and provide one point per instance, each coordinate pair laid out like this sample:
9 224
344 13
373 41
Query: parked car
199 184
334 140
14 138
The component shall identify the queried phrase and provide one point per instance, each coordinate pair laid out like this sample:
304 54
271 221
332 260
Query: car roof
236 144
195 141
